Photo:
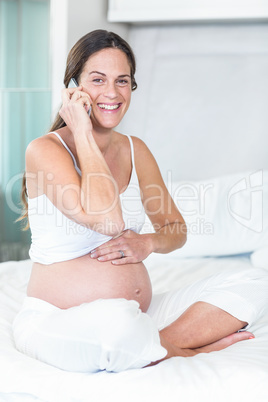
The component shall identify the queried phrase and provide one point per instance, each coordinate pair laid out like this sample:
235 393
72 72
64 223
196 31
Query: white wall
202 98
86 15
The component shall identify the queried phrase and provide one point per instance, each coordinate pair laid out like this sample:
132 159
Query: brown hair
24 202
79 54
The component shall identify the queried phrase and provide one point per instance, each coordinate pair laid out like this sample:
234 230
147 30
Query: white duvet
239 372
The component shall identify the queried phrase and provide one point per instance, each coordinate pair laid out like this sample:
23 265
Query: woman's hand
128 248
75 105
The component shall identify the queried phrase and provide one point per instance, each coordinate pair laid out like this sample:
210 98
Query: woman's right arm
92 199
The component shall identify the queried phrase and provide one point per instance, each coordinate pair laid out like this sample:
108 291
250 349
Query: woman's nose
110 90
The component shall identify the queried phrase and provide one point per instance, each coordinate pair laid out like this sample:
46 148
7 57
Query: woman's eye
122 82
98 80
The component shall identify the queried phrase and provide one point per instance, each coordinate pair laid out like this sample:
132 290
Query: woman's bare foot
225 342
213 347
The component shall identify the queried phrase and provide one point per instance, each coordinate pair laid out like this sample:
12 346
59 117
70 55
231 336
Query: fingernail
92 251
251 337
93 255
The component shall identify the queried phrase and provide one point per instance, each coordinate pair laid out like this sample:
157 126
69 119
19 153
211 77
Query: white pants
114 335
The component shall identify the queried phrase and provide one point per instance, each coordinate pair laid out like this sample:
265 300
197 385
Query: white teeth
108 107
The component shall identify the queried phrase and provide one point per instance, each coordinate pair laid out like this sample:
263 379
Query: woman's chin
106 124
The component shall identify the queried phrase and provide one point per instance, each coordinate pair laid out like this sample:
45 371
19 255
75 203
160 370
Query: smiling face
106 78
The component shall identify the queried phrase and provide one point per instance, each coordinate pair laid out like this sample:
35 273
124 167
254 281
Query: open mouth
105 106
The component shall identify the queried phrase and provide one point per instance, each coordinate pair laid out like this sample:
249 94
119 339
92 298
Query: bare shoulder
121 139
139 144
144 158
40 145
47 161
121 147
43 149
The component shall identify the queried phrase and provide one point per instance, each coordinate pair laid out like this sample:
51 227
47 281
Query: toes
237 337
225 342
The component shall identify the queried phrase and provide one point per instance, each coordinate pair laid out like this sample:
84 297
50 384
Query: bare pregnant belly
82 280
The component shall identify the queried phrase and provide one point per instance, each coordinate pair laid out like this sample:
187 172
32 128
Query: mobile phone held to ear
73 84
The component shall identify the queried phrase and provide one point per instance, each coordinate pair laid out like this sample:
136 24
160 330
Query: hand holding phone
73 84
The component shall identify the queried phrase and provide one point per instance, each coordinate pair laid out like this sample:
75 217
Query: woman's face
106 78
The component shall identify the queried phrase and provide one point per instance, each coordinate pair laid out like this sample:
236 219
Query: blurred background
202 98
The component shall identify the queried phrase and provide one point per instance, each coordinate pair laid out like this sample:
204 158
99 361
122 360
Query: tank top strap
132 153
68 149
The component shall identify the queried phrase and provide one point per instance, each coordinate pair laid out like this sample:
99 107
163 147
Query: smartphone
73 84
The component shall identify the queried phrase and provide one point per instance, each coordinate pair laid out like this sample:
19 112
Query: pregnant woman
89 303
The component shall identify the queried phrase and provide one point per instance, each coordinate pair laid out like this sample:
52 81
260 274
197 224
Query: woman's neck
103 138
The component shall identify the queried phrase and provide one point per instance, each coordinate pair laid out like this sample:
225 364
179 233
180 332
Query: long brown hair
79 54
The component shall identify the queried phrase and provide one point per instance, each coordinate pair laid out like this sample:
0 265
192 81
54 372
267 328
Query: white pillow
259 258
224 215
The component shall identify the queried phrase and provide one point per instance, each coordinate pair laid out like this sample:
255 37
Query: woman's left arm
169 225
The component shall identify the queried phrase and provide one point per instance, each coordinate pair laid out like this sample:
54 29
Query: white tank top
57 238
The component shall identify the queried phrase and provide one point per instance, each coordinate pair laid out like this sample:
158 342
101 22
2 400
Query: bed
238 372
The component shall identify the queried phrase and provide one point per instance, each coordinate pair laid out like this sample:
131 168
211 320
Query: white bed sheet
239 372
